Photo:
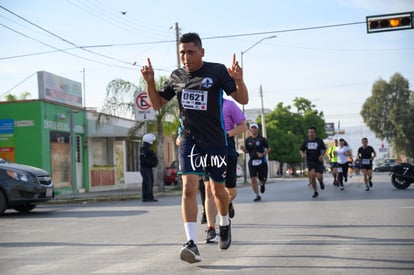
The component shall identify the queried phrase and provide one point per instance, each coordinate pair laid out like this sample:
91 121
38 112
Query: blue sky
333 67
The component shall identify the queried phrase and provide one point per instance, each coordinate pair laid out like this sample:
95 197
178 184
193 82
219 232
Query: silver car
22 187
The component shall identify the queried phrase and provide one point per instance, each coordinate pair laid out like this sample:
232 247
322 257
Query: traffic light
390 22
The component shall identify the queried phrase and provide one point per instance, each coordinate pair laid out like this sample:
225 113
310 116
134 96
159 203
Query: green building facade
38 133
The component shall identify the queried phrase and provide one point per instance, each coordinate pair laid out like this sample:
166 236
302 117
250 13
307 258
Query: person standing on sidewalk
366 155
199 89
257 147
313 149
148 160
235 124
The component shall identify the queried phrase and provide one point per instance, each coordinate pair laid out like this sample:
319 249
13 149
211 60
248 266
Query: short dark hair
191 37
312 128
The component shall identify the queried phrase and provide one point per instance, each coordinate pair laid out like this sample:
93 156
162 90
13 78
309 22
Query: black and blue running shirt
313 148
256 145
200 99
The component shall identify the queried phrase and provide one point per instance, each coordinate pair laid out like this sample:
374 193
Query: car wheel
3 203
25 207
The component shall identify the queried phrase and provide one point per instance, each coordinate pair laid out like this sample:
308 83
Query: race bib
194 100
366 161
256 162
339 169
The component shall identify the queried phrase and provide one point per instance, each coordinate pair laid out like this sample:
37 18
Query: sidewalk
129 193
110 195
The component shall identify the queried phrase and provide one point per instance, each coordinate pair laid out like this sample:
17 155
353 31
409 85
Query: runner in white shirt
342 152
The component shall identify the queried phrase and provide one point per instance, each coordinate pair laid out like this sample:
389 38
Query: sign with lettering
143 110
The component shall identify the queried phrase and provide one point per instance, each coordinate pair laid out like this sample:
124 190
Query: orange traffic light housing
390 22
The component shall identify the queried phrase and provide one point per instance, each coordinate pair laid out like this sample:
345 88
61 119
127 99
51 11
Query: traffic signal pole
390 22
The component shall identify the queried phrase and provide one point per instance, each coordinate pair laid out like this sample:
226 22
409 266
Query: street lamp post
254 45
262 114
263 125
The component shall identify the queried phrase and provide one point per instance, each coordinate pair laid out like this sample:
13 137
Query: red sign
142 101
143 110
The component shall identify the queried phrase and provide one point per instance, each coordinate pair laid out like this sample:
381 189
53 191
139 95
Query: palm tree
22 96
120 102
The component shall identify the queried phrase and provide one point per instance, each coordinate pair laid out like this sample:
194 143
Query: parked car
386 165
383 168
22 187
170 174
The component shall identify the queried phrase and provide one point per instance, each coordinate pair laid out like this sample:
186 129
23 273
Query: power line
101 15
287 30
15 86
173 41
33 54
57 49
25 26
134 22
204 38
112 16
345 50
87 48
232 35
63 39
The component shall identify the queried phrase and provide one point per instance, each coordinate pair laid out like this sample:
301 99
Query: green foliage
286 130
120 102
119 99
22 96
389 112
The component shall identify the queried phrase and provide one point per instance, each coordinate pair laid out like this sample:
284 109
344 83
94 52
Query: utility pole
83 84
261 94
262 113
72 151
177 37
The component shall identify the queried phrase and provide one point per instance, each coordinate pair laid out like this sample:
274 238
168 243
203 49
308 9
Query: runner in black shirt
199 89
313 149
196 92
366 155
257 147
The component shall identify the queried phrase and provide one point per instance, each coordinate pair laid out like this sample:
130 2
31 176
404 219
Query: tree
22 96
120 102
388 112
286 130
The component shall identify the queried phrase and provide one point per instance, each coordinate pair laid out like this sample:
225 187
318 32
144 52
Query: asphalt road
288 232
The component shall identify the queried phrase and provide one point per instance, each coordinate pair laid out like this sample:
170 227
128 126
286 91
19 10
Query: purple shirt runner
232 115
